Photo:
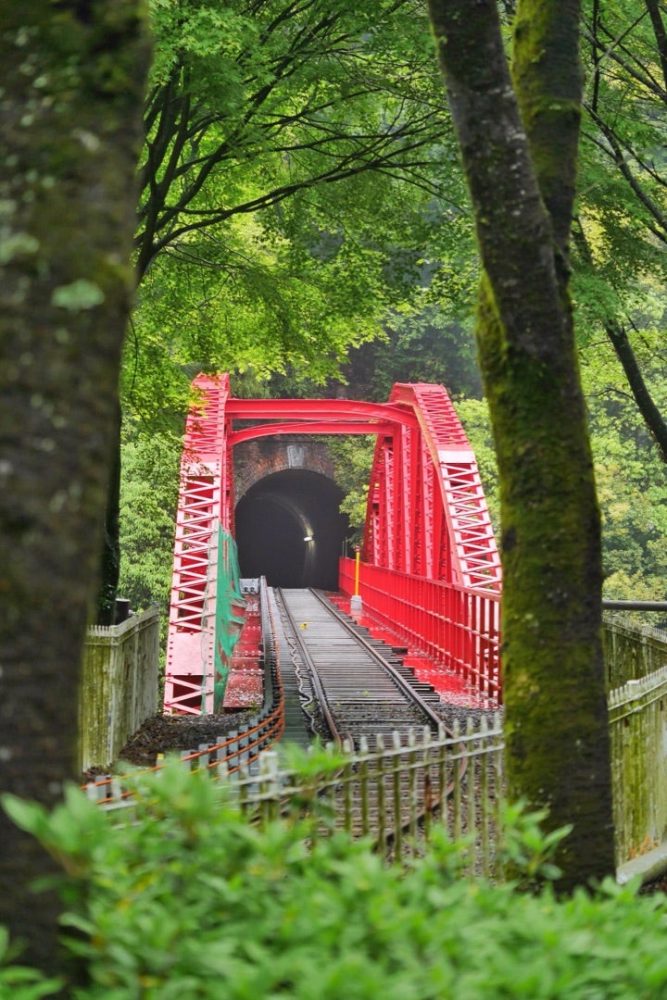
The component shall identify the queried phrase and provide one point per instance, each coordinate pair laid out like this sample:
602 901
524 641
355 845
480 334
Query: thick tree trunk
556 717
111 553
70 118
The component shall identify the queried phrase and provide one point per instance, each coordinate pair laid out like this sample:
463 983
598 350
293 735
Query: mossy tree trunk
70 120
519 146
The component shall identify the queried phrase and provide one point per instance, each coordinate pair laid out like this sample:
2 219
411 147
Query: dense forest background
303 222
305 225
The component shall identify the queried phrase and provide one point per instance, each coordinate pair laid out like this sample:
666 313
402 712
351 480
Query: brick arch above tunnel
254 460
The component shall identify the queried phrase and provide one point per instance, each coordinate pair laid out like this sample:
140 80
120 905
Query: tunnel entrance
289 529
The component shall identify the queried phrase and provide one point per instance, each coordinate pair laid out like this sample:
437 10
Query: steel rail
325 691
318 687
310 427
401 682
238 749
353 729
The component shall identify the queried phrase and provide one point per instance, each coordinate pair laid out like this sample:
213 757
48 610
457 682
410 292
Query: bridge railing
636 663
119 686
235 749
396 794
455 626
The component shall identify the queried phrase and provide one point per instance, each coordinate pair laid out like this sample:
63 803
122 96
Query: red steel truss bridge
429 570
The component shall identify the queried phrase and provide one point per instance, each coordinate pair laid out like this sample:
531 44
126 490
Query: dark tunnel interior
289 529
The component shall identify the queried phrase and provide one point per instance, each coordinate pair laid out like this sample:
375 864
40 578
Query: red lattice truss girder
426 516
204 503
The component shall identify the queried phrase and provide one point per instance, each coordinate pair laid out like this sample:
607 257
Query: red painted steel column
202 506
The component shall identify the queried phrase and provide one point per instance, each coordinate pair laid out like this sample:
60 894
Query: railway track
368 701
360 692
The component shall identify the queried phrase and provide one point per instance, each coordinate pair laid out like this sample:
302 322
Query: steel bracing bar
310 427
473 555
204 503
319 409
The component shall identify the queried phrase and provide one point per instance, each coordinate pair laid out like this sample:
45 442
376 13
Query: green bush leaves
180 897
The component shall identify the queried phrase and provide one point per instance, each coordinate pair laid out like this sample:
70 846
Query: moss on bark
557 737
70 119
547 78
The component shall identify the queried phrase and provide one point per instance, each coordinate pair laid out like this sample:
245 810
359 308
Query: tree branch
651 415
660 34
616 153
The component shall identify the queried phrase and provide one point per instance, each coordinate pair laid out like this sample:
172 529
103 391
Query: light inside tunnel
289 529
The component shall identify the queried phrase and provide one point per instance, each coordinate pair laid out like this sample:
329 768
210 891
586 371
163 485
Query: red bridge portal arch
427 526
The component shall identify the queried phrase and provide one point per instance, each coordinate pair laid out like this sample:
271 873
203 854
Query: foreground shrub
180 897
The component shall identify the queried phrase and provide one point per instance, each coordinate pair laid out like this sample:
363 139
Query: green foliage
256 105
427 344
244 301
18 982
187 900
621 177
311 764
77 296
630 475
294 155
263 283
527 852
353 458
149 489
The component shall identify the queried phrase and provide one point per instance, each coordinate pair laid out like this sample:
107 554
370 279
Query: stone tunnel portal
289 529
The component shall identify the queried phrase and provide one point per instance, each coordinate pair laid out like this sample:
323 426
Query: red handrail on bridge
456 627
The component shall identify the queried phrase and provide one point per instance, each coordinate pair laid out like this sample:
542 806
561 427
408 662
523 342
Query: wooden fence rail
395 794
638 731
399 792
119 686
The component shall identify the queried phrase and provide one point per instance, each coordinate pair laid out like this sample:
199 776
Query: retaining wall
119 686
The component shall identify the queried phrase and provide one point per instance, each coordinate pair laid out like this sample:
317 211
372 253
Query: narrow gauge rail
360 693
